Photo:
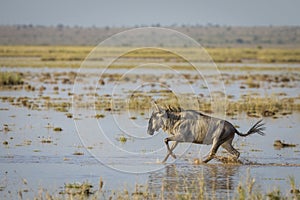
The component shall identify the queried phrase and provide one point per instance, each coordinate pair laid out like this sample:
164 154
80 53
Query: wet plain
59 128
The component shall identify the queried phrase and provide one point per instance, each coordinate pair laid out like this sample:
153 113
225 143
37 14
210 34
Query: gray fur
195 127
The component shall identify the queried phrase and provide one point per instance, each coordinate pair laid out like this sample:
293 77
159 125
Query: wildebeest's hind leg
215 146
172 154
228 146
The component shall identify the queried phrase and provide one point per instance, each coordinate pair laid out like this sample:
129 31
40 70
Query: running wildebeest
195 127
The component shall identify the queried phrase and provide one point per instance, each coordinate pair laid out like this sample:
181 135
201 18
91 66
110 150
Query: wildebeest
194 127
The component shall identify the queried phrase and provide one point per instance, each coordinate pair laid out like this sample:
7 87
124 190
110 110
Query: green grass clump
10 78
122 139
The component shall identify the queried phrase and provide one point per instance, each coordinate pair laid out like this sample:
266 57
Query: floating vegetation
27 142
268 113
5 142
69 115
256 150
46 140
77 153
98 116
278 144
122 139
6 128
57 129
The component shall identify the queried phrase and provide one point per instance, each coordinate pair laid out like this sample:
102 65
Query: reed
246 189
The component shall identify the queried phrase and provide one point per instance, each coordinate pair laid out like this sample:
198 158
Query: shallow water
51 165
28 164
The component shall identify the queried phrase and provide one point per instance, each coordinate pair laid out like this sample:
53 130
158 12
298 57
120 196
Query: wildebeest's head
156 120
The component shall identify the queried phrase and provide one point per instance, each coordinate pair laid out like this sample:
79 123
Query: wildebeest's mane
173 116
173 112
173 109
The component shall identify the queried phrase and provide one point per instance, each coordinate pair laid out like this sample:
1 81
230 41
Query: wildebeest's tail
258 127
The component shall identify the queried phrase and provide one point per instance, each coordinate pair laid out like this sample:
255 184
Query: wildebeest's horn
156 106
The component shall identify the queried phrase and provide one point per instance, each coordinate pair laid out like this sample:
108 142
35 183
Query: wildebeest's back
197 127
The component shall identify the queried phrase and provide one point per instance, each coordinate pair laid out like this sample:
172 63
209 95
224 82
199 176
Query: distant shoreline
208 36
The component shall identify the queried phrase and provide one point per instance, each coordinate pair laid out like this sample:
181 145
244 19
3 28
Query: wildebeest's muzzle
150 130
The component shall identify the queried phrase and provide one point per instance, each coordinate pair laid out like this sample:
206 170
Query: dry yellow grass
72 56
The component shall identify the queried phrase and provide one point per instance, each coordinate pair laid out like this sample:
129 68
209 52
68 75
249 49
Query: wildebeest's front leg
169 150
172 154
176 138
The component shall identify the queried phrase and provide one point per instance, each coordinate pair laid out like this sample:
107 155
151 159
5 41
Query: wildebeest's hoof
198 161
163 162
173 155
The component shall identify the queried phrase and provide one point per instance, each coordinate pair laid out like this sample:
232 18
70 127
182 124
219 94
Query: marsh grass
294 191
260 106
269 106
10 78
246 189
263 106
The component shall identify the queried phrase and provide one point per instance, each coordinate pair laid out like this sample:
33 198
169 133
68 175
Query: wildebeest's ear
156 107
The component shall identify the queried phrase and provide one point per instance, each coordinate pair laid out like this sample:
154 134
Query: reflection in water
194 181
